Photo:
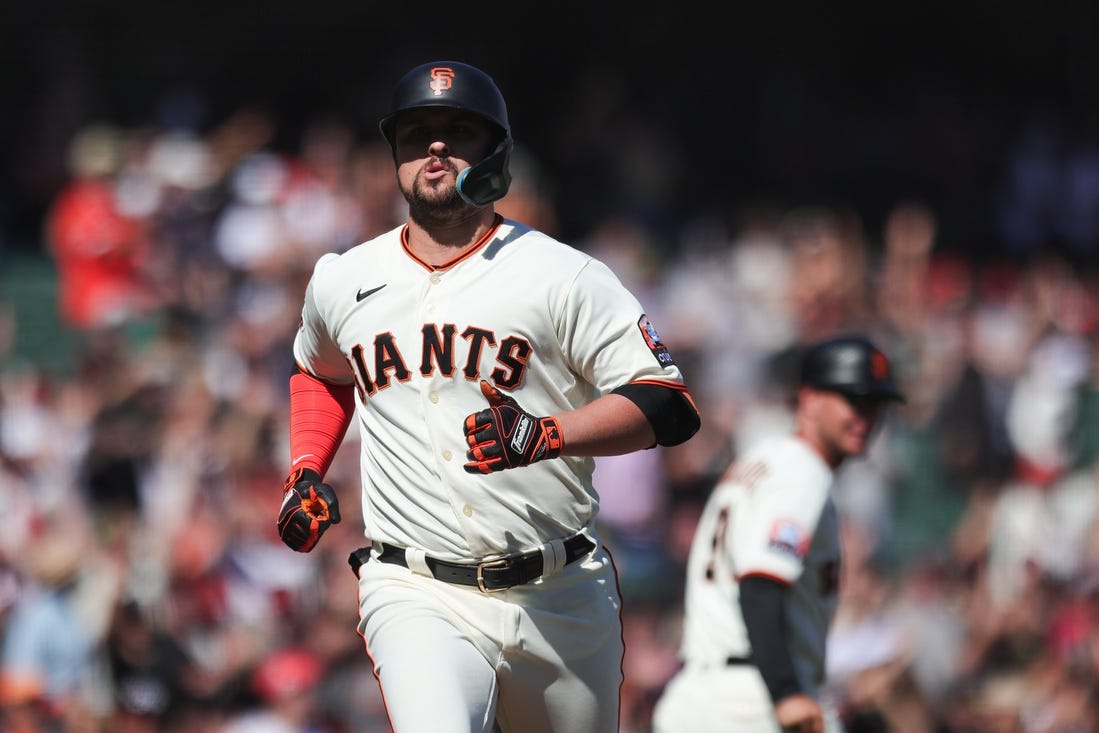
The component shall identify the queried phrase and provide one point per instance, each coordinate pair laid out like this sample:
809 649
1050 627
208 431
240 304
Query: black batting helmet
465 87
851 365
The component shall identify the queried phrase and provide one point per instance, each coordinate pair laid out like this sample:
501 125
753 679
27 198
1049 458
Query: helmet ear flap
490 179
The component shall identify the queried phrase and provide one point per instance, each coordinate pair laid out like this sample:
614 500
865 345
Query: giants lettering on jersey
439 351
749 475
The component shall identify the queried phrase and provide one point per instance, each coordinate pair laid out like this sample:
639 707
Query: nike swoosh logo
367 293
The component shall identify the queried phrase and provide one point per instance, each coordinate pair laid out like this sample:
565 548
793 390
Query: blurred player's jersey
771 516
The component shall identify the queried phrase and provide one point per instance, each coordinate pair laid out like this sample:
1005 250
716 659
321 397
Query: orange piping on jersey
466 253
374 667
767 576
621 631
670 385
662 383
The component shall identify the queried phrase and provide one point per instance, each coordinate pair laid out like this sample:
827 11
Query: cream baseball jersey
772 515
541 320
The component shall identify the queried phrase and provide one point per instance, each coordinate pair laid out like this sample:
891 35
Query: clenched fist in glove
506 436
308 508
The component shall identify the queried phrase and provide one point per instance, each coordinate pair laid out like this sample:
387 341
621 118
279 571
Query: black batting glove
309 506
506 436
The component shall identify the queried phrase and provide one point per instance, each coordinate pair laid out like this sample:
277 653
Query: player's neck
438 243
820 446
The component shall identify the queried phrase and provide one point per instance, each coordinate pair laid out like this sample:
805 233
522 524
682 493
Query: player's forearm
611 425
763 606
319 416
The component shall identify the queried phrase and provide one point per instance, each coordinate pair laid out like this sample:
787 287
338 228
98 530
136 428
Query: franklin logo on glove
507 436
522 433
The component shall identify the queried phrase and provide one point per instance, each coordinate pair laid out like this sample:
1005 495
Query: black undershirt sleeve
763 605
670 412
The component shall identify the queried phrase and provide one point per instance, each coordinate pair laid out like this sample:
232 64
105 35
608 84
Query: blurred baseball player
763 569
464 345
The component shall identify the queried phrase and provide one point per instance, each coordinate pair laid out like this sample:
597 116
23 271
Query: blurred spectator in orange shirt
97 248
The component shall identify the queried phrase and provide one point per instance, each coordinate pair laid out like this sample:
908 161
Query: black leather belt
488 576
736 661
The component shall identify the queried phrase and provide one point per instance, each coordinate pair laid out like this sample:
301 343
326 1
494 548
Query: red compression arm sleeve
319 416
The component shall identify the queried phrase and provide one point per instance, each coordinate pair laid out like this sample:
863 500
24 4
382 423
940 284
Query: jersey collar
463 255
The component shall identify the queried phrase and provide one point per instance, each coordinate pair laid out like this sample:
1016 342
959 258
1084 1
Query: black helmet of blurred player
851 365
460 86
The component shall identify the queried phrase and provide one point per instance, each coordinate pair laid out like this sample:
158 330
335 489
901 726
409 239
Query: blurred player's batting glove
308 508
507 436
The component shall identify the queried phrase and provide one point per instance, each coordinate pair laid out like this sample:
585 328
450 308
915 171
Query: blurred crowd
143 586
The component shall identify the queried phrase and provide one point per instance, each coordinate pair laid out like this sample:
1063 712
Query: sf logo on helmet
441 79
879 366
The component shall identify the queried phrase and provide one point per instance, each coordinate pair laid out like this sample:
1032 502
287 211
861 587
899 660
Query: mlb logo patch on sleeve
652 338
789 538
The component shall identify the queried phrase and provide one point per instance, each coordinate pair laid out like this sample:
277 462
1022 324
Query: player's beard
434 205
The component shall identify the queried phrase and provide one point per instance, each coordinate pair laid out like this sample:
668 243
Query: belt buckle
501 563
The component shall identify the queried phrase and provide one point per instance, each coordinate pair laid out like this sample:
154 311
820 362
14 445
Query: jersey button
447 455
435 278
434 397
467 510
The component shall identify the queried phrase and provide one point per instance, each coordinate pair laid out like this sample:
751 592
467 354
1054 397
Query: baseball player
763 569
485 364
